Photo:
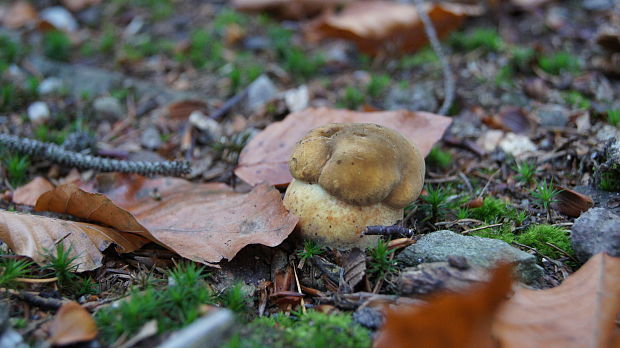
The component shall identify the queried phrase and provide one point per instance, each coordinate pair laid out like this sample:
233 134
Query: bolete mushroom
347 176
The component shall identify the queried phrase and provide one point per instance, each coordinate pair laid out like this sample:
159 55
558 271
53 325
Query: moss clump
492 210
439 158
501 233
313 329
540 236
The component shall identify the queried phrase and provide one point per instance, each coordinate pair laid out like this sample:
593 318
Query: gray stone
50 85
260 91
211 129
607 174
418 97
209 331
601 198
596 231
38 112
552 116
150 138
60 18
484 252
108 108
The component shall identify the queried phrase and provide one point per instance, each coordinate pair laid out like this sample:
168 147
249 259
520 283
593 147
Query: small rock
150 138
552 116
60 18
427 278
90 16
484 252
38 112
256 43
368 317
208 331
490 139
607 174
418 97
50 85
517 145
108 107
297 99
607 132
601 198
596 231
211 129
260 92
336 53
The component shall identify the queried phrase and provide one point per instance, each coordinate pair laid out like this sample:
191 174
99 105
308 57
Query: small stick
481 228
303 304
229 104
388 231
448 78
466 181
562 251
557 263
35 280
486 186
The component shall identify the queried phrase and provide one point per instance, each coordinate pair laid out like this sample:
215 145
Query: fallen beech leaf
510 119
354 267
20 14
72 324
448 320
32 235
265 158
571 203
201 222
78 5
289 9
376 26
581 312
182 109
29 193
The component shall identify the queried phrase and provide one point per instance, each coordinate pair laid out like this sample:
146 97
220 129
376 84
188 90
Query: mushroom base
332 222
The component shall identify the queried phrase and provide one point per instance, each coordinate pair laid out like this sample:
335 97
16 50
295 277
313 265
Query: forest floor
536 102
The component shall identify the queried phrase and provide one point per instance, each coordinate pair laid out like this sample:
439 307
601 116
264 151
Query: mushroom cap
360 163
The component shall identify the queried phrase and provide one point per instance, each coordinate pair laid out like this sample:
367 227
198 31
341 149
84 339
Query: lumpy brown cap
360 163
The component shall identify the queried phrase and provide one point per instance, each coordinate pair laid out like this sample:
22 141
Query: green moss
578 100
501 232
173 307
352 99
10 52
439 157
521 57
16 167
57 45
377 85
487 39
492 210
559 62
422 57
613 117
313 329
539 236
610 181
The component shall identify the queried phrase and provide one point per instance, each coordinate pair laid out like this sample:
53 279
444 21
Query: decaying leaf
72 324
289 9
35 236
571 203
448 320
354 267
581 312
29 193
20 14
265 158
201 222
183 108
430 277
376 26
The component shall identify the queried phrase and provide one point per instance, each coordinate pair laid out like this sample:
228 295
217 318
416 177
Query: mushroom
347 176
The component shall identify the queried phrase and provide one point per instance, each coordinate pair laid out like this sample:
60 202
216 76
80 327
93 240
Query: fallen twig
394 230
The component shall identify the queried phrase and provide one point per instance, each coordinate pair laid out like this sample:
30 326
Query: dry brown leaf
21 13
265 158
201 222
289 9
448 320
581 312
72 324
78 5
376 26
29 193
32 235
571 203
183 108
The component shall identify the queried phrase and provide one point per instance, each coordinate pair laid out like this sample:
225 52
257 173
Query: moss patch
540 236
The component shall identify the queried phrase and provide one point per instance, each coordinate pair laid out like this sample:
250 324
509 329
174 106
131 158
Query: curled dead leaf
581 312
29 193
72 324
376 26
571 203
288 9
265 158
448 320
20 14
201 222
182 109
